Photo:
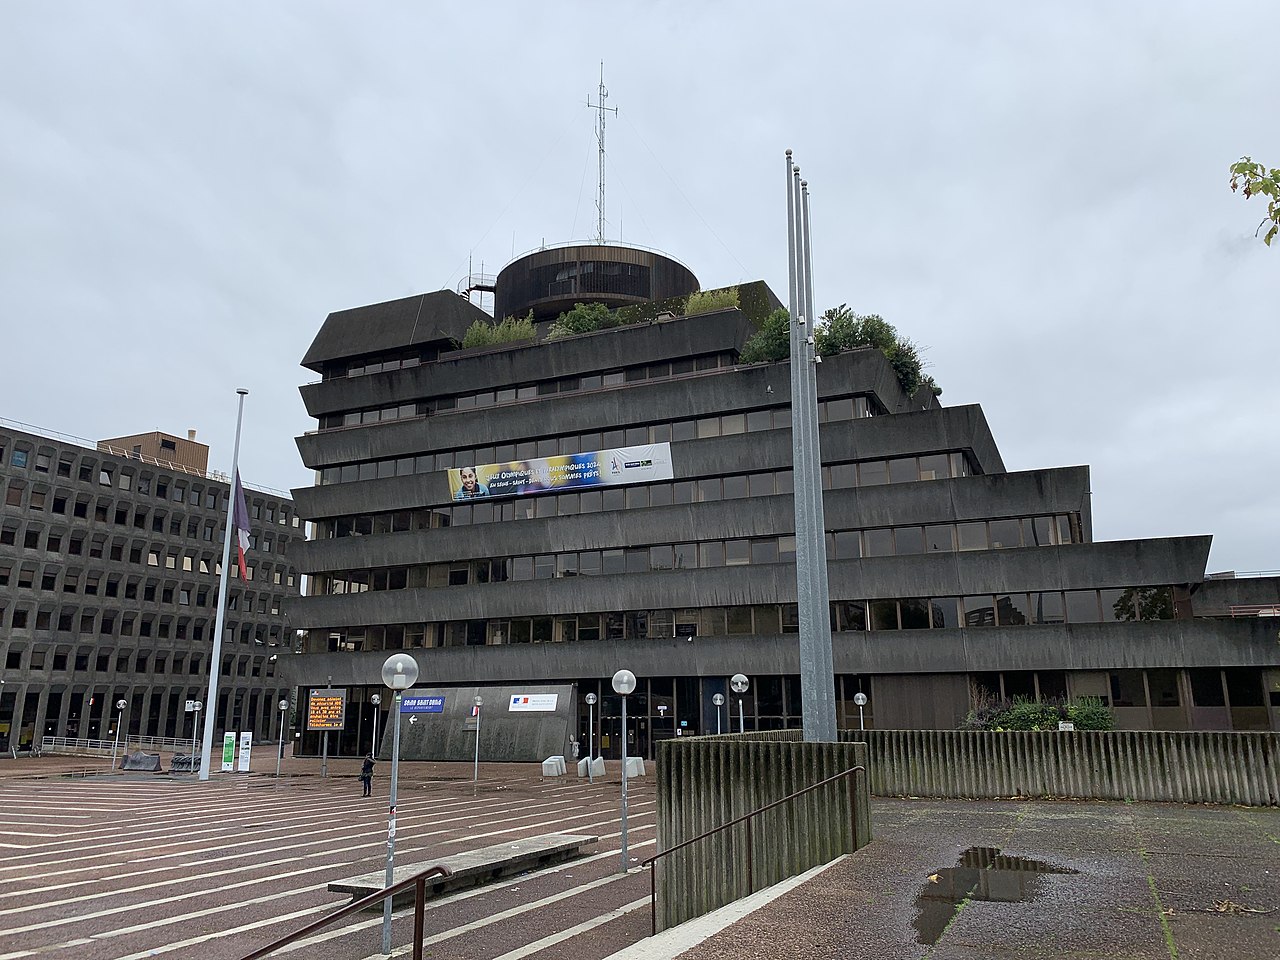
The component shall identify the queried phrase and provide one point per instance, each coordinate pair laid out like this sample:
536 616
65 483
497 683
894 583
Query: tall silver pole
391 824
374 749
717 721
215 662
742 718
817 682
116 743
624 783
475 773
324 750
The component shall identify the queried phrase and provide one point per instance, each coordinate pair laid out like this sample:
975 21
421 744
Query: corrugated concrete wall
1177 766
706 782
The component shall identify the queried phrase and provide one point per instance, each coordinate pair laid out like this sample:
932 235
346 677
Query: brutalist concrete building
553 511
109 562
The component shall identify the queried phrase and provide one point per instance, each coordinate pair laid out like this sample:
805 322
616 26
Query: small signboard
1066 726
228 752
533 703
422 705
191 706
246 747
327 710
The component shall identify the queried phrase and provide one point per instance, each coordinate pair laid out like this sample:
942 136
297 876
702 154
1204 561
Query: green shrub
988 713
771 343
708 301
841 329
479 334
583 318
485 333
1090 713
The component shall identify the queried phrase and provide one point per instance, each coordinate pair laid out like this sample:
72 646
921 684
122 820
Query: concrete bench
473 867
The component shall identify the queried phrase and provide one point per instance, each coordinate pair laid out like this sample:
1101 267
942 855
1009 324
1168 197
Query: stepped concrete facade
950 576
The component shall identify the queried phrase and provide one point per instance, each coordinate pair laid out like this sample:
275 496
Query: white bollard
635 766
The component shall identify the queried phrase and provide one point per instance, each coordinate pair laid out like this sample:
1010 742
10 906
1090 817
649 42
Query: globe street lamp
376 700
738 684
475 776
718 700
624 683
196 707
591 737
120 705
860 699
282 706
399 673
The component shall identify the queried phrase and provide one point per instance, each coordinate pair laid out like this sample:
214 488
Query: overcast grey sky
1037 193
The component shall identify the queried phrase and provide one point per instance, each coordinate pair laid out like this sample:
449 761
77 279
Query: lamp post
475 776
120 705
195 727
591 736
738 683
861 700
624 683
399 673
376 700
718 700
282 706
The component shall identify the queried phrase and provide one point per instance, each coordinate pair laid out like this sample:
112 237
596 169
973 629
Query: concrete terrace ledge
474 867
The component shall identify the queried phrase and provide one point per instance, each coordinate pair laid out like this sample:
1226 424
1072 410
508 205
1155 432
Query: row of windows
163 487
149 662
155 555
730 424
738 486
94 583
40 500
841 545
381 363
113 623
1010 609
528 391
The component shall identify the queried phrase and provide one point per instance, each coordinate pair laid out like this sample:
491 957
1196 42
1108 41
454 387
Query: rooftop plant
486 333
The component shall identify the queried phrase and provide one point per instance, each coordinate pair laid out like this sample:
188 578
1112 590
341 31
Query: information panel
599 468
327 710
533 703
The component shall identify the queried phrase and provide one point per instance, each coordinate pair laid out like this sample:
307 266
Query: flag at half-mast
240 520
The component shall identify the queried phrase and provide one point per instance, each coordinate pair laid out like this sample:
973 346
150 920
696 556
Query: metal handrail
751 887
419 884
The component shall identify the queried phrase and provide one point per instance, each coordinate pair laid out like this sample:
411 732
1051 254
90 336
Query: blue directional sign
422 705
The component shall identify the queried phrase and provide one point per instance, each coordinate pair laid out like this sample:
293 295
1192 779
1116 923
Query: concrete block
635 766
553 767
597 766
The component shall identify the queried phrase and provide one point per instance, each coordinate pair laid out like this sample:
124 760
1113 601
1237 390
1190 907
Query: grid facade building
949 575
109 578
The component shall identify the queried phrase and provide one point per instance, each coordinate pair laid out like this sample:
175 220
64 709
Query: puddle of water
981 873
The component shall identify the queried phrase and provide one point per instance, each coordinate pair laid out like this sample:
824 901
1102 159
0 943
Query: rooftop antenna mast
602 95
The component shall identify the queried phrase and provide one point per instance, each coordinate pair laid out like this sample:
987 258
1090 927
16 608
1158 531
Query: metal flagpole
818 703
215 662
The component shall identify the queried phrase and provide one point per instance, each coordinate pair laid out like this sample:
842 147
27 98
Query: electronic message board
327 710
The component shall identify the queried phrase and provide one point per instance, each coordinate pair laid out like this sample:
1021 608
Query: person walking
366 775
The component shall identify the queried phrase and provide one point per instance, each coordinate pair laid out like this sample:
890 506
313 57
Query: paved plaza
122 867
131 866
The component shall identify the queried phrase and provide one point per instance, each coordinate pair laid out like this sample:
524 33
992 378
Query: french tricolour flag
240 520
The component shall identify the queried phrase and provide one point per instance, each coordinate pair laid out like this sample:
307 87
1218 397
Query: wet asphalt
1150 881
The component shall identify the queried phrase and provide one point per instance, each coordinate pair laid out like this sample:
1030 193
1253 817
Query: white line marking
572 932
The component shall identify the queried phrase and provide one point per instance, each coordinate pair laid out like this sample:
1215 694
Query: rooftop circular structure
551 280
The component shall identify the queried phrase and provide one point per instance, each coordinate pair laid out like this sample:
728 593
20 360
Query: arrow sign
413 718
